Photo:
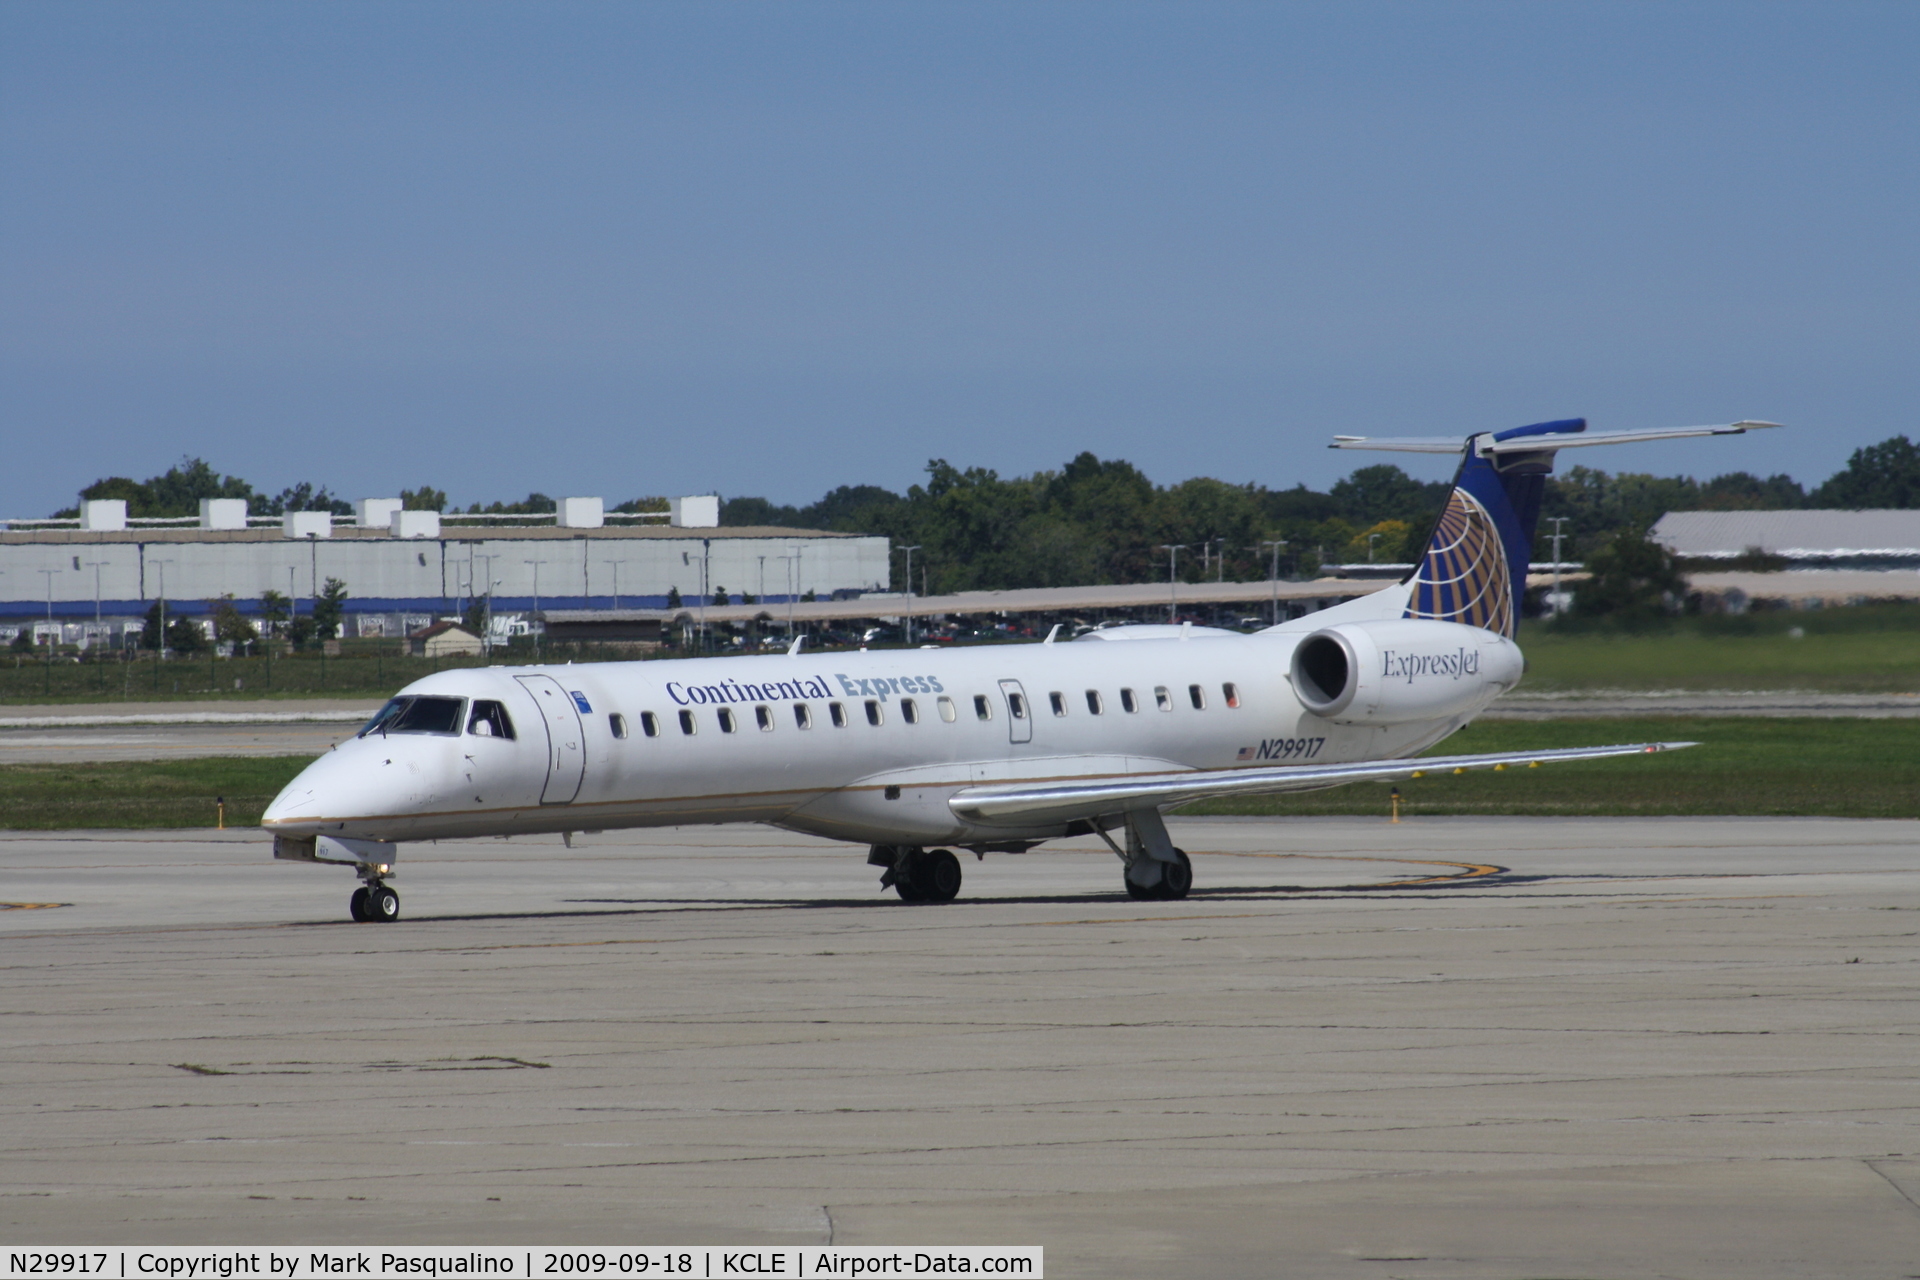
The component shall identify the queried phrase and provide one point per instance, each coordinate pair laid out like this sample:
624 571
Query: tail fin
1474 569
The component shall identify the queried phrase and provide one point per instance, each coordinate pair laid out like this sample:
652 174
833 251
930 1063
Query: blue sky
767 249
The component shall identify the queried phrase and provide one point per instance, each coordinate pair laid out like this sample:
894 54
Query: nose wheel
374 902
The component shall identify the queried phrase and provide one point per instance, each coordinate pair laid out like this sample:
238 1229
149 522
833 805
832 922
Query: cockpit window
418 715
490 720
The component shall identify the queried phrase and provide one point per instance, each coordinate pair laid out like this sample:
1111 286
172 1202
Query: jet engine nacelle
1402 671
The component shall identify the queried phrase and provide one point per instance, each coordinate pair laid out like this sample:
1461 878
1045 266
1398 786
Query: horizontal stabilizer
1544 443
1064 802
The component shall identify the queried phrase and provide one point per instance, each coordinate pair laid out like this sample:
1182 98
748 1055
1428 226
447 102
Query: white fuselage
947 719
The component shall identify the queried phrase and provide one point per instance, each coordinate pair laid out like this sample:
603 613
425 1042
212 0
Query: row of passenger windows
876 711
489 719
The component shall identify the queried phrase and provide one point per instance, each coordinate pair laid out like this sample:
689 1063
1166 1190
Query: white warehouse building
418 562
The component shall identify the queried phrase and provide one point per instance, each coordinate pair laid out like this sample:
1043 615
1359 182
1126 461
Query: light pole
534 623
96 566
160 649
909 616
1273 576
1220 572
1371 539
486 614
1173 551
615 566
1558 533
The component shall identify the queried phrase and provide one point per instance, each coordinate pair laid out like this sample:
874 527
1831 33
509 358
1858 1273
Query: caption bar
286 1262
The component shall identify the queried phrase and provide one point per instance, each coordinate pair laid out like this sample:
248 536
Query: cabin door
566 738
1019 711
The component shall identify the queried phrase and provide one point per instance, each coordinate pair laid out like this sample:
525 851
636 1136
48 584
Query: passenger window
838 714
763 716
489 720
1128 703
1197 696
617 723
727 722
1231 692
650 724
982 707
946 708
1094 705
687 725
909 711
1016 706
1059 703
803 715
875 716
1161 698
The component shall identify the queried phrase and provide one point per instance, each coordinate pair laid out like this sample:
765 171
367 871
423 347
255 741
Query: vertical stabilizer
1474 569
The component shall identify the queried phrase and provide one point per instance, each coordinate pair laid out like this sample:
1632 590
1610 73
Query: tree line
1098 520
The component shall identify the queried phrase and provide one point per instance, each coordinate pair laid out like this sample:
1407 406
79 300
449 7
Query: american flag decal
1246 753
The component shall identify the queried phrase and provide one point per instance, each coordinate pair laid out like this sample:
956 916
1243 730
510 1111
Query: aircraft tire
357 905
938 876
1176 878
383 904
1135 891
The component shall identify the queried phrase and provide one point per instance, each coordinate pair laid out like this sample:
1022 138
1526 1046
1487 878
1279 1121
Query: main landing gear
1155 870
374 901
917 875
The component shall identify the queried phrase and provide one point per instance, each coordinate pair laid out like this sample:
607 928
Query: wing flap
1064 802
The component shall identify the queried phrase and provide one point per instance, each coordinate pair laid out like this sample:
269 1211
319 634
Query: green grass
1837 768
1826 767
1868 649
140 793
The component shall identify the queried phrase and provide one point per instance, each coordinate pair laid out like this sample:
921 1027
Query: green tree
673 598
230 626
150 629
425 498
328 608
299 630
22 641
1879 476
185 636
175 492
720 596
1385 492
1634 581
274 608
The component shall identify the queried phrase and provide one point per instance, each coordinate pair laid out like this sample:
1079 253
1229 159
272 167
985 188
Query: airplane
995 748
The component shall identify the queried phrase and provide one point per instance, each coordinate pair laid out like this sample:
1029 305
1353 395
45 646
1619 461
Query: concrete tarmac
1448 1048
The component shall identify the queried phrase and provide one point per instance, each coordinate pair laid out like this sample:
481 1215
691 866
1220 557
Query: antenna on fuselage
1051 634
793 650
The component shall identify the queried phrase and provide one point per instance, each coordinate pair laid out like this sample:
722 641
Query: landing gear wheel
1176 877
909 891
383 904
938 876
357 904
1135 891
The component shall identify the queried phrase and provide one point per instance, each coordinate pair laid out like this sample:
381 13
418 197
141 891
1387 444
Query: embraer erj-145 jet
997 748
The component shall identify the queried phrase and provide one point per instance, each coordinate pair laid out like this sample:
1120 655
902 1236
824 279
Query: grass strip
1743 767
142 793
1844 768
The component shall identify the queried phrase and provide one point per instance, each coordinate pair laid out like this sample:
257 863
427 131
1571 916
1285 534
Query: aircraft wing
1539 443
1025 804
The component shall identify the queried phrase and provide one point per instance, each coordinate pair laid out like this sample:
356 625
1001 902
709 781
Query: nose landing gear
375 902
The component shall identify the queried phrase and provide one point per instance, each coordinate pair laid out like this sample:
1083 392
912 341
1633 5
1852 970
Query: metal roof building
1807 539
64 571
